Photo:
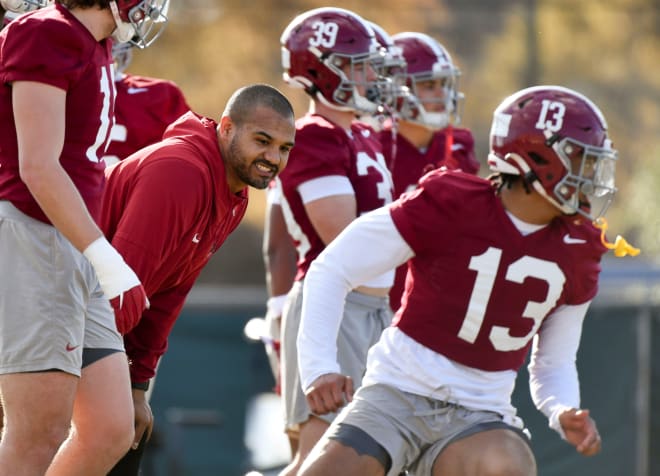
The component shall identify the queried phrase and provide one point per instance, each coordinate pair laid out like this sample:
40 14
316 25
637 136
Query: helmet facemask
356 73
588 186
141 24
421 110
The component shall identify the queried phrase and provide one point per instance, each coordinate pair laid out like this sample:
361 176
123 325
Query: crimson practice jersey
477 289
324 149
411 163
167 209
51 46
143 109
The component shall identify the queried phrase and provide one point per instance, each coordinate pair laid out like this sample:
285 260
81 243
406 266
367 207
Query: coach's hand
329 393
144 418
119 282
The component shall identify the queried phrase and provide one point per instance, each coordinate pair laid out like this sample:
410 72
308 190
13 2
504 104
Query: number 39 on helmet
323 49
556 139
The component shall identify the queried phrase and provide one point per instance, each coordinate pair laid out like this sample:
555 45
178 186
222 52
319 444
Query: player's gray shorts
365 318
51 304
412 429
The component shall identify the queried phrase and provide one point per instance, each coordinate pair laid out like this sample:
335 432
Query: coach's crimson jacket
166 209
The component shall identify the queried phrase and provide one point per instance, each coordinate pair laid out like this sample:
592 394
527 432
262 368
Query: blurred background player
280 257
144 107
423 135
61 352
336 172
498 266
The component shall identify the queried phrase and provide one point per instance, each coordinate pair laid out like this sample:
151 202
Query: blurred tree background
607 49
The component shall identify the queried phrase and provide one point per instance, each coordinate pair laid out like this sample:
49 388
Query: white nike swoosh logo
136 90
196 238
569 240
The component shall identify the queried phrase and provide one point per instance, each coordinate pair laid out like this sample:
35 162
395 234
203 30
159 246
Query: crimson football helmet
139 22
428 60
23 6
323 49
556 139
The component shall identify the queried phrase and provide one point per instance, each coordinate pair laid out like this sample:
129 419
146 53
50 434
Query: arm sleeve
553 377
349 260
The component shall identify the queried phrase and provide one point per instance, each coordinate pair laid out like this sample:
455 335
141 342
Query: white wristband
275 304
114 275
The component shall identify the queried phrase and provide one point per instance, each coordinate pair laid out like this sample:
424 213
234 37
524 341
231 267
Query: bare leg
103 420
310 433
489 453
38 408
329 458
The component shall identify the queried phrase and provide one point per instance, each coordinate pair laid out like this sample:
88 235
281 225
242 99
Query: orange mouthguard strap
620 246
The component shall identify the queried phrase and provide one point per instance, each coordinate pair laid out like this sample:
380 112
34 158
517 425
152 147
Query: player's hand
119 282
128 307
580 431
144 418
329 393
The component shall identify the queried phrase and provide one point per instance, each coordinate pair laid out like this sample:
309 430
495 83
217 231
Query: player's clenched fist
329 392
119 282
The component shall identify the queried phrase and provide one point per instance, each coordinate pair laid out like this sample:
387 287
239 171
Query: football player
336 173
64 375
423 136
144 107
497 267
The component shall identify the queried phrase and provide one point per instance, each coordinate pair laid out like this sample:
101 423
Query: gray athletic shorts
412 429
51 304
364 319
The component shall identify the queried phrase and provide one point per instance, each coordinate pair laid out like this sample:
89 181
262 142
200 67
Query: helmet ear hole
537 158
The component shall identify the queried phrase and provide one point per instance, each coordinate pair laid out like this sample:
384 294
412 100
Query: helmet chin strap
536 184
123 31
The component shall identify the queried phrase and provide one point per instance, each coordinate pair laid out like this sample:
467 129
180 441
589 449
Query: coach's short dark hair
246 99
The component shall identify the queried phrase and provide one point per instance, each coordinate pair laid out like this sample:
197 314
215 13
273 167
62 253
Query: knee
38 445
111 437
120 438
515 462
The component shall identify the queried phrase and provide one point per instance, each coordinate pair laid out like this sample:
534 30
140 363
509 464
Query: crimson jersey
51 46
166 210
411 163
324 149
144 107
477 289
